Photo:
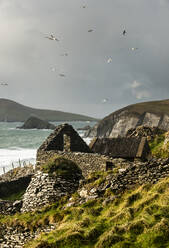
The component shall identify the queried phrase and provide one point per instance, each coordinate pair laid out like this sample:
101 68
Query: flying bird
84 6
105 100
62 75
109 60
51 37
53 69
124 32
64 54
90 30
134 48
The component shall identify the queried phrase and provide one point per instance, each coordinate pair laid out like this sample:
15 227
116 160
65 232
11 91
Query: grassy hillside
156 107
138 218
13 111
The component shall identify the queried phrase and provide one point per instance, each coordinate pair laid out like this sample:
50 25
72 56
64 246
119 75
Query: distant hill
12 111
152 114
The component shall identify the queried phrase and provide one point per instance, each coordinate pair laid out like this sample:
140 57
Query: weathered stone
122 147
34 122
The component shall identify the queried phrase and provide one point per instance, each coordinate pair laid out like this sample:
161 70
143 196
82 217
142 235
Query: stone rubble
137 173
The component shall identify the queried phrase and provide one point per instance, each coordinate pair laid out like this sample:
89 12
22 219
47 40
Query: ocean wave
14 155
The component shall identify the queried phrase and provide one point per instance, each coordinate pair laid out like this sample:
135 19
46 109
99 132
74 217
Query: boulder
34 122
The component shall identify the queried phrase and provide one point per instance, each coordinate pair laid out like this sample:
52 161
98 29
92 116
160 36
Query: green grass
60 166
157 147
137 218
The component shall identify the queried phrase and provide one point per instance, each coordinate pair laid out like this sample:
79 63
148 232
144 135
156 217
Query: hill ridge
152 114
12 111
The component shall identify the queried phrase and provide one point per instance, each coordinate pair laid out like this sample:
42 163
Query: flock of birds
109 60
3 84
52 37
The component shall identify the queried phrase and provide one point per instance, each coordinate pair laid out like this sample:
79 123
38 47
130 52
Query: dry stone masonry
128 175
133 147
45 189
65 142
88 162
64 138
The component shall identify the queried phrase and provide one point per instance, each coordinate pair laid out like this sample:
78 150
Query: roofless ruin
66 142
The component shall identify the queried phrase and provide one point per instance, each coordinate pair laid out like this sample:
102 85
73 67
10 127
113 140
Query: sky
31 64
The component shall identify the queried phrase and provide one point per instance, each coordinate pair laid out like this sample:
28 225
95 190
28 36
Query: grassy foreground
138 218
158 148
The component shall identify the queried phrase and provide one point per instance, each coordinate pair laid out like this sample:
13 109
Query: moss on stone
59 166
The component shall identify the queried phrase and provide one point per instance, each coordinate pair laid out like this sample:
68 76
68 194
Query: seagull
64 54
84 6
124 32
62 75
133 48
53 69
104 100
90 30
51 37
4 84
109 60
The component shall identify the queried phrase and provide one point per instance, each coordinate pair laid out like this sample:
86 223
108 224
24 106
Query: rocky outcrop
144 131
34 122
151 114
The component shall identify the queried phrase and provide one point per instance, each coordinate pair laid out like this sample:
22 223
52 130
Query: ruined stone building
128 148
99 155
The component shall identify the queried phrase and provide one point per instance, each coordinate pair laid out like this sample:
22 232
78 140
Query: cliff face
152 114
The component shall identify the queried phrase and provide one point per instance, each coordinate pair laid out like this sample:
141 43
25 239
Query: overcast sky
31 63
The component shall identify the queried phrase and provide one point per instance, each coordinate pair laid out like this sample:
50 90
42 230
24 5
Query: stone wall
64 138
17 236
45 189
9 188
132 147
10 207
88 162
128 177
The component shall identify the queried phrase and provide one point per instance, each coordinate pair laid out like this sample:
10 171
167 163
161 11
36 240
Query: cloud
139 90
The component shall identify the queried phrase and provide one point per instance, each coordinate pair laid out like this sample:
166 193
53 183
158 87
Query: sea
18 147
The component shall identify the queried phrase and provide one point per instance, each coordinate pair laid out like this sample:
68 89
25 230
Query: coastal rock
34 122
117 124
